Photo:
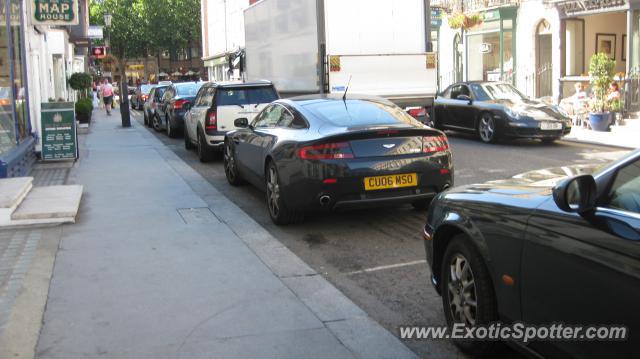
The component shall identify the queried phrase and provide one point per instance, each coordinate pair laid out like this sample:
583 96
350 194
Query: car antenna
344 96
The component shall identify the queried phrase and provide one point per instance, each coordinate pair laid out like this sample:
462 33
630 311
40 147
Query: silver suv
216 107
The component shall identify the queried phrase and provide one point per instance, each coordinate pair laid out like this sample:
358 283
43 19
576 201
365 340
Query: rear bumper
303 182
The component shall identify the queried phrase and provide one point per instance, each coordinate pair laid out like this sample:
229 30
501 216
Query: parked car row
556 245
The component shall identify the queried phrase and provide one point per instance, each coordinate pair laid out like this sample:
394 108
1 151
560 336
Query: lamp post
107 24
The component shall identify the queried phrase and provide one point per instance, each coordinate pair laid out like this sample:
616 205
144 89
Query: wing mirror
242 122
576 194
465 98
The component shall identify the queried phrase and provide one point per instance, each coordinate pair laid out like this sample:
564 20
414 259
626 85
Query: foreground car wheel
278 211
467 292
230 166
487 128
171 133
156 123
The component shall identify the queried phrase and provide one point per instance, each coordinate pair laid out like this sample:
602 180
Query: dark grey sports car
323 152
497 110
551 246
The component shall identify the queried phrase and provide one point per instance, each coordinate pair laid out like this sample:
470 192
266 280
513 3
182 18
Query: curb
575 140
344 319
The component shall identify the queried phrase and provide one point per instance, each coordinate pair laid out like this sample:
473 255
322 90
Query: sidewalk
626 136
161 265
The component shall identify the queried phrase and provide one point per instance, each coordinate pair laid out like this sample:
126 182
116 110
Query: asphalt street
376 256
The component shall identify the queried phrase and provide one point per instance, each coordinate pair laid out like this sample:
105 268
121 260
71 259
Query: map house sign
55 12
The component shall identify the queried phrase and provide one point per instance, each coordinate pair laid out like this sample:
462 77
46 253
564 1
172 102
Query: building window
7 123
19 78
574 47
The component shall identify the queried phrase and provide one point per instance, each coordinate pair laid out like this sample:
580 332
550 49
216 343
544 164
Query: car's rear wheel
230 166
171 132
278 210
187 141
204 153
156 122
487 128
467 293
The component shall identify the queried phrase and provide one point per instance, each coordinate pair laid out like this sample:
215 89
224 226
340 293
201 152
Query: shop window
574 47
484 53
19 79
7 124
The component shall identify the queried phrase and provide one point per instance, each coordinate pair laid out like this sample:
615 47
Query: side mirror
465 98
576 194
242 122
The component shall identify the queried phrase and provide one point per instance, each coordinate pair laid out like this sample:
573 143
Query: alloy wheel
462 291
273 192
487 128
229 163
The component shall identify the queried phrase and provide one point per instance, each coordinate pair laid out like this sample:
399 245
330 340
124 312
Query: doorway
543 68
457 59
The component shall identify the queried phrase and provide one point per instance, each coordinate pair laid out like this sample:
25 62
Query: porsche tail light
326 151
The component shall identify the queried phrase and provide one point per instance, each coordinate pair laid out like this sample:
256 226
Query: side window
625 191
464 90
287 119
198 99
269 117
447 93
455 91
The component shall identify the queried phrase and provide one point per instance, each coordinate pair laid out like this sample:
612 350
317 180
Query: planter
600 121
83 117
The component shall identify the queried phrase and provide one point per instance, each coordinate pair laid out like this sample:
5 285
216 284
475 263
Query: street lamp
107 22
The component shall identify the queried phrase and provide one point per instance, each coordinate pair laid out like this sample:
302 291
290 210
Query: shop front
490 47
217 68
16 141
610 27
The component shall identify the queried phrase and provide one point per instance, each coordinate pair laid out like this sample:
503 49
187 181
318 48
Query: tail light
179 103
418 112
211 122
327 151
144 97
431 144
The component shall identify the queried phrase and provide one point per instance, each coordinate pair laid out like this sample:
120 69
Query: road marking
390 266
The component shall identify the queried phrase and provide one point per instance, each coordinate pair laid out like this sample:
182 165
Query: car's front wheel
204 153
278 210
467 293
171 132
231 166
487 129
188 145
155 123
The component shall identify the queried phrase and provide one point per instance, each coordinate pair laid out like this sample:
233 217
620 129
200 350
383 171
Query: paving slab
12 190
49 202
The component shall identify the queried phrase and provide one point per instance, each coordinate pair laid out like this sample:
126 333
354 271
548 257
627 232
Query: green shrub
601 69
80 81
84 106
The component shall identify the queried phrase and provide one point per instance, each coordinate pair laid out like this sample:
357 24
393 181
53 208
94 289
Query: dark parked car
322 152
140 96
542 248
151 118
495 110
175 102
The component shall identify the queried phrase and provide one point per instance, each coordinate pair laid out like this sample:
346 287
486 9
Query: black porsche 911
495 110
550 246
321 152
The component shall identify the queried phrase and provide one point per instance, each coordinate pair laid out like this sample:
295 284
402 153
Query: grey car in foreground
550 246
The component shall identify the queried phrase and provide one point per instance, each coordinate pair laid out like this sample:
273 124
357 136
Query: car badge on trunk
389 145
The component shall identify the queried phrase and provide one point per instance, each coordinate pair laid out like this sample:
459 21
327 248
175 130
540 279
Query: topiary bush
81 82
83 110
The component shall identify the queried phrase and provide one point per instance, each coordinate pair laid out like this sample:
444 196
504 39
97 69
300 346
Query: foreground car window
240 96
625 191
352 113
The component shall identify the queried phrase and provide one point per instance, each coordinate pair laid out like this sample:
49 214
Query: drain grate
198 215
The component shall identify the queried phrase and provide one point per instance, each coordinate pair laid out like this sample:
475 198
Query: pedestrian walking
107 95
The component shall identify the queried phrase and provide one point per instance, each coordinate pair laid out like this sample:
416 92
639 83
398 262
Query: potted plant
81 82
601 69
84 107
464 21
617 106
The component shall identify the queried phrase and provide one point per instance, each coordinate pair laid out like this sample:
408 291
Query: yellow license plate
390 181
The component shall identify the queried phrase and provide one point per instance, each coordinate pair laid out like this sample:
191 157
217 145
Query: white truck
317 46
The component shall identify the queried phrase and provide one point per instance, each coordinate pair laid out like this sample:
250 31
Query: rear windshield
146 88
243 96
188 90
354 113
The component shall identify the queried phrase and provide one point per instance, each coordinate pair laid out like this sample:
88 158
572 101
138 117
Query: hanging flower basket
464 21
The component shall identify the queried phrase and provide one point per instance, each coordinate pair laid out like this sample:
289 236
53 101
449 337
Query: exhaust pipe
325 200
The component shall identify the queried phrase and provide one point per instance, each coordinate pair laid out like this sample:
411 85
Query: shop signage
98 52
436 17
59 137
95 32
431 60
485 48
579 7
14 7
55 12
